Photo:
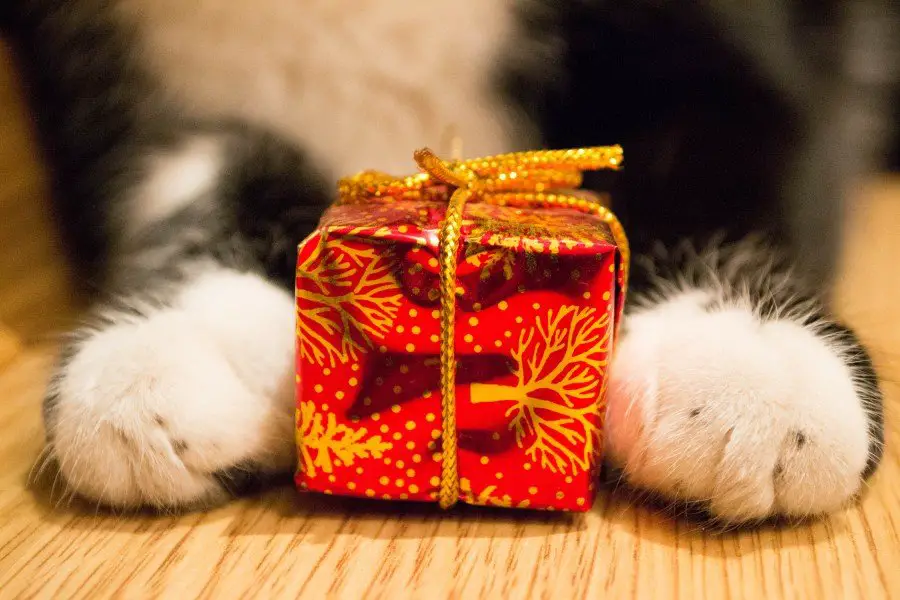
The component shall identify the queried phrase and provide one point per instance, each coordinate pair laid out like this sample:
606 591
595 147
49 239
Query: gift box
454 330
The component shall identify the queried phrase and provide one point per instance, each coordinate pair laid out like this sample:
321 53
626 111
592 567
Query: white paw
151 411
753 419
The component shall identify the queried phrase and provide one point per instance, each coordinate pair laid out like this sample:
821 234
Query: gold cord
537 178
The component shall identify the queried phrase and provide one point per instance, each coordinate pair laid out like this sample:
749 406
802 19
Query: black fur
88 97
288 198
736 117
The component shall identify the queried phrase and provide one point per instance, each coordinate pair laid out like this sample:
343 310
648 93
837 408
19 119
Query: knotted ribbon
543 178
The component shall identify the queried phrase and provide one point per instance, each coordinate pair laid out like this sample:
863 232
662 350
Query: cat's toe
158 412
754 418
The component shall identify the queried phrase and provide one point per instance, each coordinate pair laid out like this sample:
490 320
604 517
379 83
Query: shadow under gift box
539 296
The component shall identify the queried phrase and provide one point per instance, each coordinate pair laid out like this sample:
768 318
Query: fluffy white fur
392 75
756 418
149 409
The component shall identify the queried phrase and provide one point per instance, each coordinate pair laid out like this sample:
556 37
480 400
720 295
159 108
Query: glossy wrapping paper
538 298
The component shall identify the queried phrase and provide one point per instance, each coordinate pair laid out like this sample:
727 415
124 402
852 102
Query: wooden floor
280 545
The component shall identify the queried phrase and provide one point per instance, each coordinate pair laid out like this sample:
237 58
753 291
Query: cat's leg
174 399
179 389
734 387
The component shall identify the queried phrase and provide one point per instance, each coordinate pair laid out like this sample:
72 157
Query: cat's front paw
178 407
752 418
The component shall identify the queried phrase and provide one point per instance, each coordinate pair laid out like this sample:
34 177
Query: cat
193 145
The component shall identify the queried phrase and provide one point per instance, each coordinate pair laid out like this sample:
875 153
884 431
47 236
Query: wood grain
278 544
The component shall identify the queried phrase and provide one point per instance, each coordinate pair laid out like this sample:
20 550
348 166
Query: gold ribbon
543 178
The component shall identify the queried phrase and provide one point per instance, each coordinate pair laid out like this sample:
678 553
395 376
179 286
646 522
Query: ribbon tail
429 162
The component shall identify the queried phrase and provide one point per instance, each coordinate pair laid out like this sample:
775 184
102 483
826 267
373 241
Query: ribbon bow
544 178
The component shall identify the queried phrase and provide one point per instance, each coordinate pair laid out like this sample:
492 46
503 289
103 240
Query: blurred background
35 298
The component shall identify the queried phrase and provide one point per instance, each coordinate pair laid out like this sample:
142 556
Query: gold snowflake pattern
560 377
321 443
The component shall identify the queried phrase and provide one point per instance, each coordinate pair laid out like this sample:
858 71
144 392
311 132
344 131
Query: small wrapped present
454 331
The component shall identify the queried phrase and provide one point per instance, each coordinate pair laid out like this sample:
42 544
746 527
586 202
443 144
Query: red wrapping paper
539 295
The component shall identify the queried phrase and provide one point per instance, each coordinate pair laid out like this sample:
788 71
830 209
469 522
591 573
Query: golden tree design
347 296
560 375
486 496
491 260
505 258
321 444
